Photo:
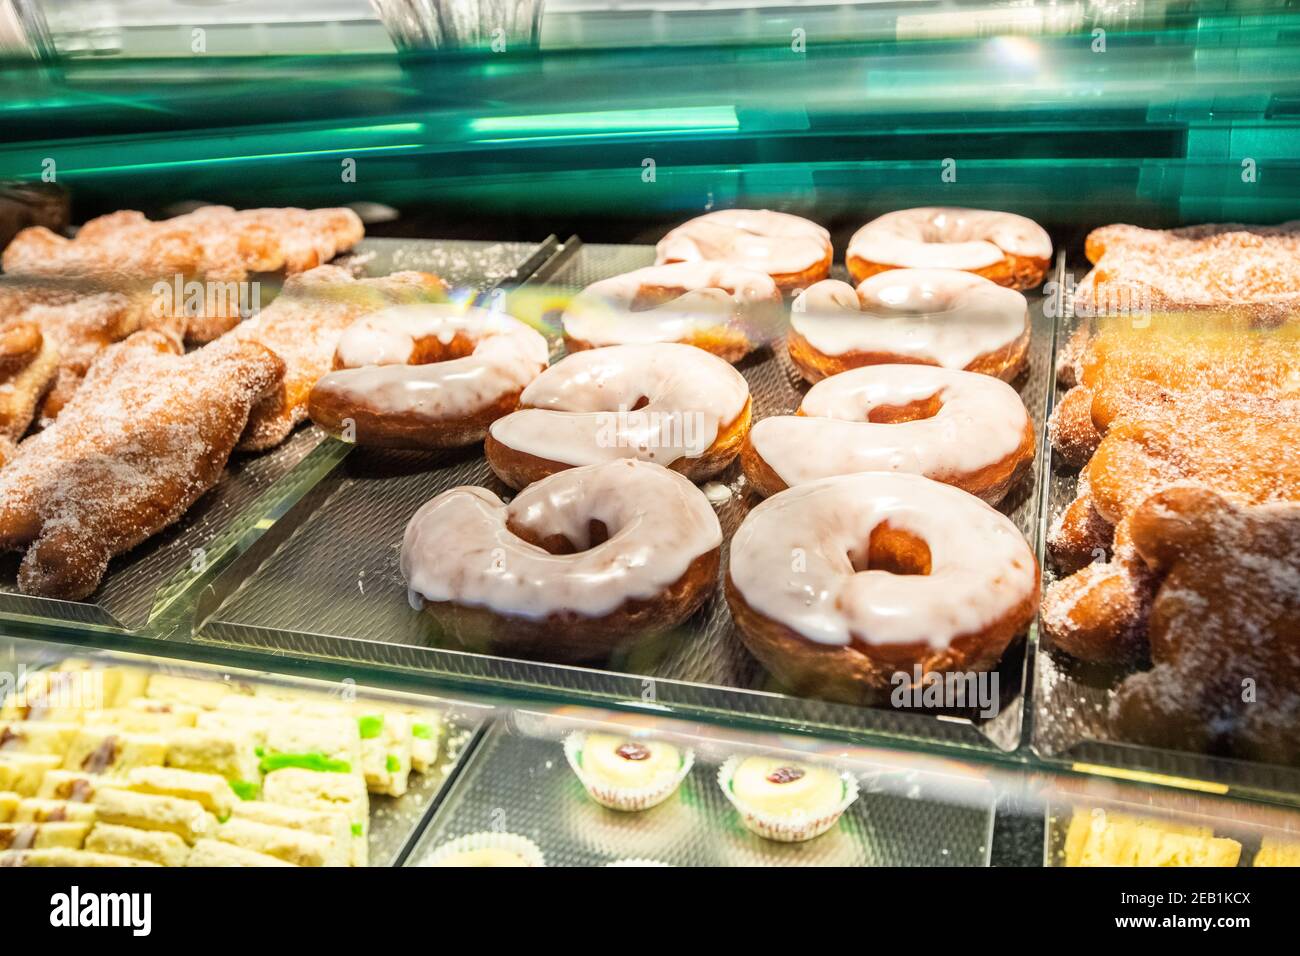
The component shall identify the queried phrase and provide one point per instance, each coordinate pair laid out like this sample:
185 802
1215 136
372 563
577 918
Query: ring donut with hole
840 585
962 429
790 249
910 316
574 568
721 308
426 376
1005 248
674 405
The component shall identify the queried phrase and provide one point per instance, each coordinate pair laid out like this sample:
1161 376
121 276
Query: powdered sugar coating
146 434
217 242
1253 271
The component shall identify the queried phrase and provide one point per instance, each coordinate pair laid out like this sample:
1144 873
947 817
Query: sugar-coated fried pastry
29 362
303 326
146 434
1249 271
1224 628
78 319
1125 368
214 243
1246 450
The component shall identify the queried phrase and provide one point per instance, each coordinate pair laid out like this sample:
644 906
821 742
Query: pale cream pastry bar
146 716
211 791
73 785
46 810
194 691
215 853
299 847
107 750
333 824
145 811
37 736
385 751
59 856
154 846
22 773
230 753
341 792
331 744
426 736
39 836
253 726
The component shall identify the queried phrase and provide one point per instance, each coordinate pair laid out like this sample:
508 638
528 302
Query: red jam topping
785 774
633 751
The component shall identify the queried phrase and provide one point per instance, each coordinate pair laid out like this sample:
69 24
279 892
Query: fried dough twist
145 436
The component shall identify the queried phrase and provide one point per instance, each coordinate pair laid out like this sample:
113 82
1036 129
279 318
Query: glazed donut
963 429
720 308
426 376
1010 250
671 404
910 316
573 568
839 584
793 251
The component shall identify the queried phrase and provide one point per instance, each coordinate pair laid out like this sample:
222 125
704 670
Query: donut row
836 586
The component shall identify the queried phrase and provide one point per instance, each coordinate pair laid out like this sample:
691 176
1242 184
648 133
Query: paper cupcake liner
624 798
784 829
487 840
637 861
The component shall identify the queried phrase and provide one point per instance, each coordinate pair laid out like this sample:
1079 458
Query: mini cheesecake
625 773
487 850
786 800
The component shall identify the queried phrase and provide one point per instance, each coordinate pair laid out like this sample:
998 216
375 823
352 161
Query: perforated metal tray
395 822
1071 699
143 583
518 781
324 581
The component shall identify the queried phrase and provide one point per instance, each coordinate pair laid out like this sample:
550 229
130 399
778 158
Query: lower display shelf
263 769
519 782
98 747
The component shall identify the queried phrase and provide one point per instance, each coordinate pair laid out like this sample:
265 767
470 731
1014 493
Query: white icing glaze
790 561
458 547
507 356
713 294
943 316
580 411
939 237
981 421
773 242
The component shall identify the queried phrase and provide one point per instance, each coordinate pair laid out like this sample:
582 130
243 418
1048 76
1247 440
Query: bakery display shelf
324 581
395 823
156 580
1103 805
1070 699
519 782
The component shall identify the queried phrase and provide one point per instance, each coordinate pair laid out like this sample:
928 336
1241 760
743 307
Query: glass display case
522 154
